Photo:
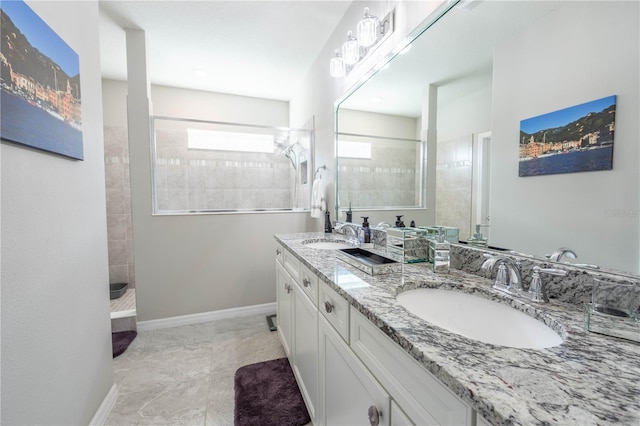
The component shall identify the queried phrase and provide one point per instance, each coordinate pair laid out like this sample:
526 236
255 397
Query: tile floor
184 375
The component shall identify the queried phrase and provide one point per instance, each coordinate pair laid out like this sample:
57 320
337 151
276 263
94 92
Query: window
209 167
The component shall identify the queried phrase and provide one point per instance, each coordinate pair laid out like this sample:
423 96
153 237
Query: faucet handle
537 289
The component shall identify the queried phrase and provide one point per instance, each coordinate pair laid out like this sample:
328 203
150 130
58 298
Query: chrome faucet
508 277
558 254
537 290
348 229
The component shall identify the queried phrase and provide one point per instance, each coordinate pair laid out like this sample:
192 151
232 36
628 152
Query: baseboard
100 417
267 308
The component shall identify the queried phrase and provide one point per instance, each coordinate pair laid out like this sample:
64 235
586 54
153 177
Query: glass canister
614 309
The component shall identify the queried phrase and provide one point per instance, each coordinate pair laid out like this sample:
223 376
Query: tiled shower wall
390 178
118 189
189 179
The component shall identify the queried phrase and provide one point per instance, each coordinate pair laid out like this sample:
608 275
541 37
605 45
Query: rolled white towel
317 198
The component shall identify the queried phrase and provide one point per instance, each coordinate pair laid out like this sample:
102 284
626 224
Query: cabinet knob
288 288
278 252
328 307
374 416
306 282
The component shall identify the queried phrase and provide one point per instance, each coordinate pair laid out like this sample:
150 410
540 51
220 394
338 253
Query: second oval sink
327 244
479 319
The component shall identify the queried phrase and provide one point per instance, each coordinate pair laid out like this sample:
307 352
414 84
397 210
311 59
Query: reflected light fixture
368 29
337 66
351 50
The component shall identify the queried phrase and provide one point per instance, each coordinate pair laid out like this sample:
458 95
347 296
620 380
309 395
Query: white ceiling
250 48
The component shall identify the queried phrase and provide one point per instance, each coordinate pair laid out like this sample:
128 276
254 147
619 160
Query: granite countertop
589 379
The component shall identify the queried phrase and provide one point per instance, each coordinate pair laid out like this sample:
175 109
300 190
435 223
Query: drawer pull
306 282
374 416
328 307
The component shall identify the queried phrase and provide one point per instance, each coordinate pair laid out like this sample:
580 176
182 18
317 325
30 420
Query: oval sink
480 319
327 244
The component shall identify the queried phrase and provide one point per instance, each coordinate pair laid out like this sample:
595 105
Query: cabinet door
284 318
349 394
398 417
305 348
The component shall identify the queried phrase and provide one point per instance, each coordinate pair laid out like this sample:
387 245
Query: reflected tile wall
118 190
453 184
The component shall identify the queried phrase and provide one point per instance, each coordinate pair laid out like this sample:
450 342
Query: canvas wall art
570 140
40 84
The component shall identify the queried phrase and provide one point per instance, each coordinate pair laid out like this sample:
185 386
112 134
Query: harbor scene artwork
39 84
570 140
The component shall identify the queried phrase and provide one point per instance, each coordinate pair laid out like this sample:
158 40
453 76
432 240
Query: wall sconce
337 67
370 32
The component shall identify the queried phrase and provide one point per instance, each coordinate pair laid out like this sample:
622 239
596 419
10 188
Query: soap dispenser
349 214
399 222
365 231
327 222
478 239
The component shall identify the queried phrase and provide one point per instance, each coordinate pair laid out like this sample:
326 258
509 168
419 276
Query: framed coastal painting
39 84
570 140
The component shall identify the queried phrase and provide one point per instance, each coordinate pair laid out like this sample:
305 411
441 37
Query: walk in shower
207 167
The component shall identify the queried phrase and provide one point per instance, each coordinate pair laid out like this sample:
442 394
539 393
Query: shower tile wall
118 189
453 184
189 179
389 178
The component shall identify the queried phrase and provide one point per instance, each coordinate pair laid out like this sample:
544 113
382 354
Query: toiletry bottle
478 239
349 214
440 253
399 222
366 231
412 224
327 222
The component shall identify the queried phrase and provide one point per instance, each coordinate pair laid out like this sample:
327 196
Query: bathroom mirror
492 65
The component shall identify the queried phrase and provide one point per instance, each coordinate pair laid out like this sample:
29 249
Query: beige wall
56 336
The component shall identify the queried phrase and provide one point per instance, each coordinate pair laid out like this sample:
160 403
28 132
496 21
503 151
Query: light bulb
368 29
337 67
350 50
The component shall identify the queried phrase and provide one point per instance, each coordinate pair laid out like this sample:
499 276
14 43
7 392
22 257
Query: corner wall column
429 134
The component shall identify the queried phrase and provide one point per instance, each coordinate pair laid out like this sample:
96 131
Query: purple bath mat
121 340
266 394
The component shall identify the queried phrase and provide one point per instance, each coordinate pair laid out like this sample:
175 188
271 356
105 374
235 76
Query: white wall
199 263
56 336
582 52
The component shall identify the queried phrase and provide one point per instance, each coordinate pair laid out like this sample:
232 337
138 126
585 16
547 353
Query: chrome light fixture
368 29
351 50
337 67
371 31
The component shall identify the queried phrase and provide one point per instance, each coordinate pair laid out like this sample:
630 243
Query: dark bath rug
121 340
266 394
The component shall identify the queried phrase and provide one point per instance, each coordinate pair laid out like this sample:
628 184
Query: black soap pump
349 214
366 231
399 222
327 222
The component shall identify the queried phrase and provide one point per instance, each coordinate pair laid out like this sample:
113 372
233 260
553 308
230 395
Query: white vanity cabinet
349 394
284 306
297 320
348 371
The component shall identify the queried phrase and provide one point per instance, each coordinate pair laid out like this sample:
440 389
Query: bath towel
318 204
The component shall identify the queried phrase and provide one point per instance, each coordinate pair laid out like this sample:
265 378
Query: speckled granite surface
589 379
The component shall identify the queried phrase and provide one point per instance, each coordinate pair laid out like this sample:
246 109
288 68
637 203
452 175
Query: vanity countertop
589 379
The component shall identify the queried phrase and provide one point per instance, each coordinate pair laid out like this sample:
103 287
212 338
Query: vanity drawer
309 283
279 253
291 264
423 398
335 309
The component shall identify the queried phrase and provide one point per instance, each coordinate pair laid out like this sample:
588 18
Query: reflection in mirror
481 71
